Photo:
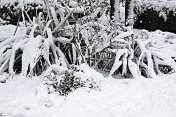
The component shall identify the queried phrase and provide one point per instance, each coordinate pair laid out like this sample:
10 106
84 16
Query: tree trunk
127 5
112 3
129 13
117 10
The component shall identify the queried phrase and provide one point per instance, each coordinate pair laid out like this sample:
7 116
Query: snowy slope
118 98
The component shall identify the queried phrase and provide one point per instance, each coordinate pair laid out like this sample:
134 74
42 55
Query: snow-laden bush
45 40
68 80
33 48
135 56
30 51
148 54
76 33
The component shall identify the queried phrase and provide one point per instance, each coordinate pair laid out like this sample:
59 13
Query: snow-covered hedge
154 14
163 7
150 20
11 10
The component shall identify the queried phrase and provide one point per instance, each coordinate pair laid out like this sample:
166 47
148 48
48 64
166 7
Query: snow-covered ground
117 98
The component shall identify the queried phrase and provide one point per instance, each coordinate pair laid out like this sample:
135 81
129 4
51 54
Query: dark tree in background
127 5
129 18
112 3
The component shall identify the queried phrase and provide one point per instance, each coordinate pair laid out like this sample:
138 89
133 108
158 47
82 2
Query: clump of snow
43 96
90 73
7 31
3 77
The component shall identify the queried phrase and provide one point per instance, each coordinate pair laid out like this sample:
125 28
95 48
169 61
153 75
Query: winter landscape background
86 58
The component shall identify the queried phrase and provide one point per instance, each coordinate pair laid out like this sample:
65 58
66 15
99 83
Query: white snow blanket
118 98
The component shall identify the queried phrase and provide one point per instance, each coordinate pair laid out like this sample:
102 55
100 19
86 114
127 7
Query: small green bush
69 81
